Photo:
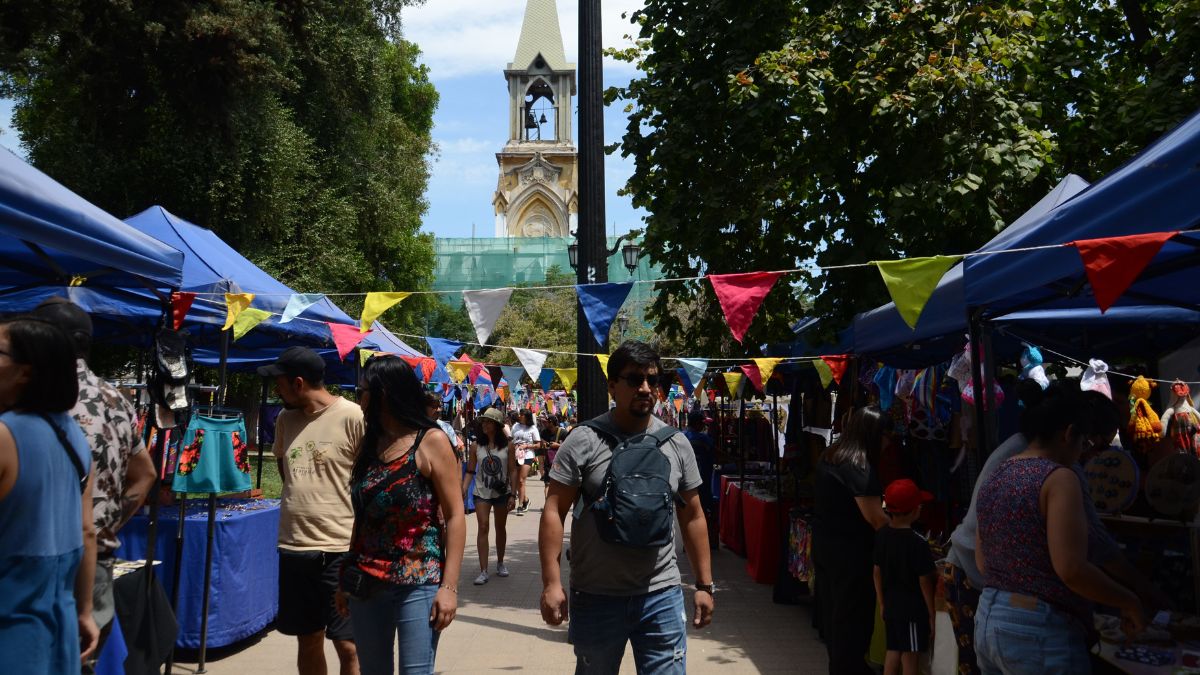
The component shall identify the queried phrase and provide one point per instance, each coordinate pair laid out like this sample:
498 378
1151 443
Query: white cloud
467 37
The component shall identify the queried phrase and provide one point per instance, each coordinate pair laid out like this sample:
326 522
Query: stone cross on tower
536 191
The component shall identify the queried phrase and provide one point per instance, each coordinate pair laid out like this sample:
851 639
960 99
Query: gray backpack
635 505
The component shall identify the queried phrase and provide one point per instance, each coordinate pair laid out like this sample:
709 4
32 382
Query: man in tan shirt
316 441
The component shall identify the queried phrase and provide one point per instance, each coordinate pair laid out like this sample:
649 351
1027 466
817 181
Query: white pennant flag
298 303
484 307
532 360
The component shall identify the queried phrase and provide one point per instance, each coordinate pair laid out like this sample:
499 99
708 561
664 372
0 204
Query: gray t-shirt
610 569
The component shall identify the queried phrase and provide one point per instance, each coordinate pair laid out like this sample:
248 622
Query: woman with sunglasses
409 530
47 538
526 440
491 461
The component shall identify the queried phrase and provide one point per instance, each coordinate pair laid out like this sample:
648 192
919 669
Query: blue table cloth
245 570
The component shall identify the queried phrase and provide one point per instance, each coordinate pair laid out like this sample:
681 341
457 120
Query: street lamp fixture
622 323
573 254
630 253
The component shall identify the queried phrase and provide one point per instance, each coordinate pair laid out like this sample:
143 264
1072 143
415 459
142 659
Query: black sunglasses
636 380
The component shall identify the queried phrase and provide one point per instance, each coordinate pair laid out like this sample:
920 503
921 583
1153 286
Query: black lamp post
630 253
591 263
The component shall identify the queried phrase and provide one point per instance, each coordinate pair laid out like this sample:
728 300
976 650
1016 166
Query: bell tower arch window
541 112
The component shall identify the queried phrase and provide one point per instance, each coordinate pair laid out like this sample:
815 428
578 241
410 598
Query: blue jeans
656 624
1019 636
398 611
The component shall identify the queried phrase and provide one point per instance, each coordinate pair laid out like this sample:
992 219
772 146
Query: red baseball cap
902 496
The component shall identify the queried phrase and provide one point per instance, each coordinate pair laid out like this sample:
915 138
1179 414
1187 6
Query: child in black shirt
904 579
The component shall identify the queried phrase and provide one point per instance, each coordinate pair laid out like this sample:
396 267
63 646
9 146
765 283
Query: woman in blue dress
47 540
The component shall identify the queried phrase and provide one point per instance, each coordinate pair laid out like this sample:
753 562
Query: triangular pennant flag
678 405
568 376
754 375
484 308
494 375
439 375
837 366
246 319
732 381
365 355
740 296
476 370
377 303
910 282
546 378
686 381
513 375
532 360
345 337
1114 263
603 359
600 304
235 303
298 303
824 371
695 369
765 368
181 302
443 350
459 370
422 366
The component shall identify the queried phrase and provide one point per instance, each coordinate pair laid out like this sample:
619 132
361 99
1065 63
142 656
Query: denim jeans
655 623
397 611
1022 637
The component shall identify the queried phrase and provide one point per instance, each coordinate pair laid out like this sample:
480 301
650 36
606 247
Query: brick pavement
499 628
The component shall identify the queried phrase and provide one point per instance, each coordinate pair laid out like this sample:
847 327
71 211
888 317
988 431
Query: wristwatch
707 588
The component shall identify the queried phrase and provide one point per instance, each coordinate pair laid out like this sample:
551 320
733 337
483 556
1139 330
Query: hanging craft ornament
181 302
235 303
1031 367
247 319
377 303
1114 263
484 308
1182 420
1095 378
298 303
911 282
345 338
740 296
1144 425
600 304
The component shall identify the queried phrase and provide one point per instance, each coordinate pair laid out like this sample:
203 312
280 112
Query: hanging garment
213 457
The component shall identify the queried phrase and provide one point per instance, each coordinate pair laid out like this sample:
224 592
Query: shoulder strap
66 446
606 430
664 434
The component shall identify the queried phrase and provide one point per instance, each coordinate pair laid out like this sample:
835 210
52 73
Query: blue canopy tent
50 236
940 333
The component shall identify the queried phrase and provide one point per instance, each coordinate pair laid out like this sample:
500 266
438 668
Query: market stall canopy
1154 192
882 334
50 236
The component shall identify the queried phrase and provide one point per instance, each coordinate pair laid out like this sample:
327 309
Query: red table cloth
762 525
731 516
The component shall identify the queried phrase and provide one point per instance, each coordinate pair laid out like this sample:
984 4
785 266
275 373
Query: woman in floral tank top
401 574
1035 613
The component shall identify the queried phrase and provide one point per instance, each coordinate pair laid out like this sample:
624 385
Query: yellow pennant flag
603 359
377 303
766 367
568 376
459 370
246 319
364 354
732 380
824 371
235 303
912 281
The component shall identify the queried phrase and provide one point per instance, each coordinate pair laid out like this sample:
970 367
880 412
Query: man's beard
635 408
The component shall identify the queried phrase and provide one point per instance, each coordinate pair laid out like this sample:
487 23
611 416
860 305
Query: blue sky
467 44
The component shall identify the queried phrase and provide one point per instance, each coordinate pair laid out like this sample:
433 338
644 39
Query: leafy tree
298 132
778 134
541 319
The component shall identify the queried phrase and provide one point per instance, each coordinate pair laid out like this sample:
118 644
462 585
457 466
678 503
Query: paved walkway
499 628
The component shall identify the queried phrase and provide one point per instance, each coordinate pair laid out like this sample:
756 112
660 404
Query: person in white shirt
526 440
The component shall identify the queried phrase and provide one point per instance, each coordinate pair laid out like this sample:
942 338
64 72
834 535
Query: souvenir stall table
245 571
763 526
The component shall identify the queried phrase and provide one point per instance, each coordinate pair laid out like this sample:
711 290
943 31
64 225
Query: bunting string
1084 364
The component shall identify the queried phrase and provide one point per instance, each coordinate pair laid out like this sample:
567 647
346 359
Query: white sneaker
501 570
481 579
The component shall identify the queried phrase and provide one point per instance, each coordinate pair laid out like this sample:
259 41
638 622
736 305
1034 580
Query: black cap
297 362
70 318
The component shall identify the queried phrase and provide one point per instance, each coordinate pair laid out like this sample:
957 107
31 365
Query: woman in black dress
848 509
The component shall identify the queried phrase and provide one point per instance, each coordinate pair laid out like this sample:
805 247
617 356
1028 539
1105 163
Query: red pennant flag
345 337
837 365
751 370
1112 264
740 296
422 366
181 302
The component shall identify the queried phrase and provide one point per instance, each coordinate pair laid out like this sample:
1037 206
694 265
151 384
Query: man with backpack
633 477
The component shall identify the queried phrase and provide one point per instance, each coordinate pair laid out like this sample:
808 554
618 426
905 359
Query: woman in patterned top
401 573
1032 540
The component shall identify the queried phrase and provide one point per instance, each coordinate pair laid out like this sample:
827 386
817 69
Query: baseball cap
296 362
902 496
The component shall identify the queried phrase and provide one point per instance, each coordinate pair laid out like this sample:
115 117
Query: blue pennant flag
686 381
694 368
600 303
443 350
448 394
440 374
513 375
483 397
546 378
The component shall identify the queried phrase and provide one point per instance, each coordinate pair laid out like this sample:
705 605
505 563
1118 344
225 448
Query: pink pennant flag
751 370
345 337
740 296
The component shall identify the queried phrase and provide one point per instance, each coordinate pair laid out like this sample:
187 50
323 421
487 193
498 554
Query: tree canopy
780 134
298 132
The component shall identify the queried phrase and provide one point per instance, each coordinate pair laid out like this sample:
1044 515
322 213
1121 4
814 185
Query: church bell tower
536 193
